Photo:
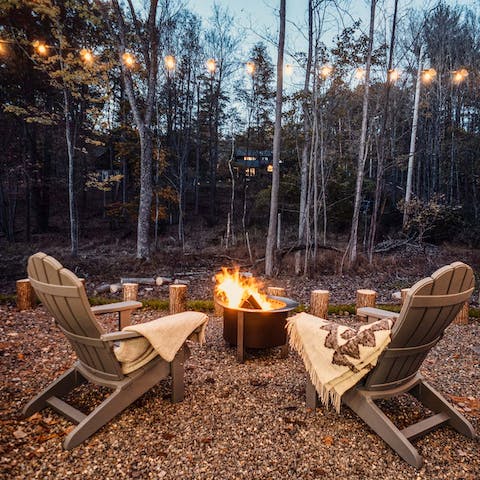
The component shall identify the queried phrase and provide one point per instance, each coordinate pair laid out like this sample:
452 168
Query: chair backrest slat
65 298
430 306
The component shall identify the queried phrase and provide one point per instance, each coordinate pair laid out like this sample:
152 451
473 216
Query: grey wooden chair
430 306
64 296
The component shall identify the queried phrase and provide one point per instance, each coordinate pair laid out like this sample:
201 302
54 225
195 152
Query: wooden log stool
25 295
276 291
365 298
319 303
130 291
178 298
462 315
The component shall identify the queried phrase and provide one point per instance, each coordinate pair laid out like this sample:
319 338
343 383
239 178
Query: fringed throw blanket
163 336
337 357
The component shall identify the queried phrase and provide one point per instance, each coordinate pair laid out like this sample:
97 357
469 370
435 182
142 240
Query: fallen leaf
206 440
20 356
36 417
327 440
20 434
168 436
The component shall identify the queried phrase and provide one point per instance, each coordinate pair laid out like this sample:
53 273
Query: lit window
250 172
270 168
249 159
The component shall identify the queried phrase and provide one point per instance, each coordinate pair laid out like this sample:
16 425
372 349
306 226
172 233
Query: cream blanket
337 357
163 336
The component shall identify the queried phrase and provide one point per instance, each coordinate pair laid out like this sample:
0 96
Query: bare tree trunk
272 225
71 175
381 153
351 251
413 138
142 110
306 146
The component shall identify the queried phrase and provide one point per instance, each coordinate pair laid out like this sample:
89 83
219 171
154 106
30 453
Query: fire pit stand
254 328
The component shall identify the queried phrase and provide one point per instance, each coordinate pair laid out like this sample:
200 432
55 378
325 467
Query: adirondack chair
430 306
62 293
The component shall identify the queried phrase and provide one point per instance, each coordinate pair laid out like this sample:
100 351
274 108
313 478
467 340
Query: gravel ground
238 421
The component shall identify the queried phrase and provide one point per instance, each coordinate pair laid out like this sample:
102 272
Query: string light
288 69
86 55
40 47
211 65
360 73
250 68
326 71
458 76
428 75
393 75
170 63
128 59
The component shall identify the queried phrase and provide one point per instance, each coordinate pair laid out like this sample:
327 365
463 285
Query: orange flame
233 289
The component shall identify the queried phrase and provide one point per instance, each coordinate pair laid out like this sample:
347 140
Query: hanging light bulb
250 67
128 59
170 63
325 71
288 69
211 65
393 75
360 73
428 75
40 47
86 55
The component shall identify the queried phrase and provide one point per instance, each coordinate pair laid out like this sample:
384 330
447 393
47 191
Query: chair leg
366 409
178 372
61 386
433 400
311 394
121 398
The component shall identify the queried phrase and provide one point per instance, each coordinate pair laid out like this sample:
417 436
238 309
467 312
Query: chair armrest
115 336
373 314
116 307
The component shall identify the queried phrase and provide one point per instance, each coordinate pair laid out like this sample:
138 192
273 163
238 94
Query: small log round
276 291
319 303
25 295
217 308
462 315
403 293
178 298
366 298
130 291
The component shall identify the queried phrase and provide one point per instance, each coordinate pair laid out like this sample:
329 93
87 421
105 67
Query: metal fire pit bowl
257 328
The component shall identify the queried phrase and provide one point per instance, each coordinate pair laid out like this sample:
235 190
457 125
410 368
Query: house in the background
253 162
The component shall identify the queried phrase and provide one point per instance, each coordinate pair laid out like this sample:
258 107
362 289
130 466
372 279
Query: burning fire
238 291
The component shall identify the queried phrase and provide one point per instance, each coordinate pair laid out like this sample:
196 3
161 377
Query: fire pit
254 320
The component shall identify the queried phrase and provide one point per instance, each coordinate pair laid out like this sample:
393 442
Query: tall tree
142 101
382 147
272 224
351 251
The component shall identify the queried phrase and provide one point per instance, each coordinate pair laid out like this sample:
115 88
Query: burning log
251 302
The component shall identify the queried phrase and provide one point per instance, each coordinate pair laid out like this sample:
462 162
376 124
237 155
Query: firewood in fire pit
251 302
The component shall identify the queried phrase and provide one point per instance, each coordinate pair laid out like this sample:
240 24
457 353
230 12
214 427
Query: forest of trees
130 119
